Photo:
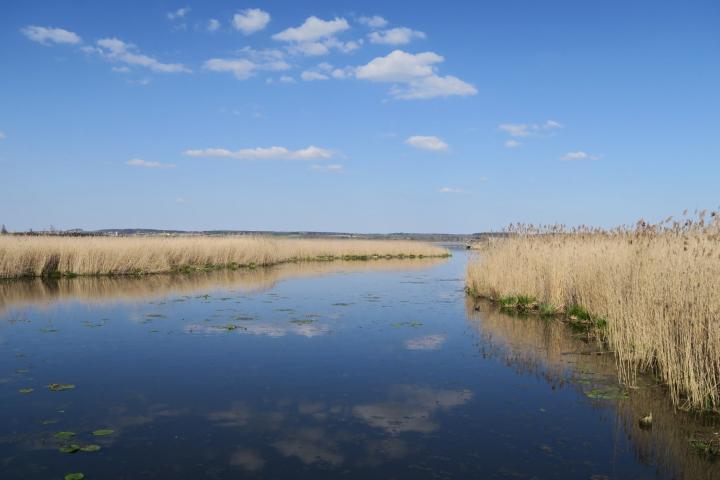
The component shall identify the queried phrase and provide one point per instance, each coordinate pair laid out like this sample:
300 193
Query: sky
364 116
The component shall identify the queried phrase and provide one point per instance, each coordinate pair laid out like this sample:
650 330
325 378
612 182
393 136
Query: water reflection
410 408
98 290
549 350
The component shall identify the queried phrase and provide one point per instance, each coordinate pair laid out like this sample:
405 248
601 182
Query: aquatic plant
651 292
56 256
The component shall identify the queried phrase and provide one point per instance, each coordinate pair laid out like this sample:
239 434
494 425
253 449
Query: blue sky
356 116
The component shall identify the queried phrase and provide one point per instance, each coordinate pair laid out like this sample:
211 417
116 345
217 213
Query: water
336 370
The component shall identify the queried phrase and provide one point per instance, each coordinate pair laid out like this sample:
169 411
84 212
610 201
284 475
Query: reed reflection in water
550 350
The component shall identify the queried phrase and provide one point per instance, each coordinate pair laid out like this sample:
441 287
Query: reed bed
650 292
35 256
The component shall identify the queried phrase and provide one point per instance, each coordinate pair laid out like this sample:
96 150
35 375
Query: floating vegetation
303 321
64 435
341 304
155 315
707 446
25 391
243 318
74 476
606 394
230 327
407 324
71 448
103 432
50 421
90 448
60 387
48 330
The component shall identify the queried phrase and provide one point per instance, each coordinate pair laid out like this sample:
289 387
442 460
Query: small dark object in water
646 422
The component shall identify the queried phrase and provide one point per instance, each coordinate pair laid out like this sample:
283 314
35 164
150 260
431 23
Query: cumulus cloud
309 76
376 21
579 155
414 75
213 25
116 50
317 37
451 190
526 130
312 29
427 143
331 168
251 20
395 36
244 68
179 13
49 35
138 162
261 153
512 143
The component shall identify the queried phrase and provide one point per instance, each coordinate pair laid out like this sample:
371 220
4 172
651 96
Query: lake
356 370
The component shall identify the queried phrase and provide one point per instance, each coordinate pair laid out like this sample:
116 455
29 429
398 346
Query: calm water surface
347 370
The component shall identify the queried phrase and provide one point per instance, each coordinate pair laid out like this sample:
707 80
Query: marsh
381 369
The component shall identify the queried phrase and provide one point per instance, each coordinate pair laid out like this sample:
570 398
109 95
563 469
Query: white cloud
526 130
399 66
427 143
376 21
138 162
317 37
312 29
331 168
116 50
579 155
512 143
48 35
414 75
2 136
395 36
251 20
432 87
260 153
213 25
242 68
286 79
120 69
309 75
179 13
451 190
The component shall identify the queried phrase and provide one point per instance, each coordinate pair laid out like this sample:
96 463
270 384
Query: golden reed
657 288
52 255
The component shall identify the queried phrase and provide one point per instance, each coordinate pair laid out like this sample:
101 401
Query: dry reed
54 255
655 288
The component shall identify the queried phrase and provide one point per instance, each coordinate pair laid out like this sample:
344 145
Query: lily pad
72 448
407 324
304 321
25 391
59 387
74 476
64 435
90 448
103 432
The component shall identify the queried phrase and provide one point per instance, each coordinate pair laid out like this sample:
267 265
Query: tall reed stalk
656 289
55 255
